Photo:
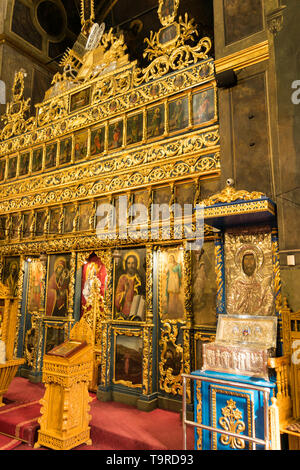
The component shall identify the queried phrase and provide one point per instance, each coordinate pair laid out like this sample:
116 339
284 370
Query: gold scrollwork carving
232 421
230 194
14 120
171 360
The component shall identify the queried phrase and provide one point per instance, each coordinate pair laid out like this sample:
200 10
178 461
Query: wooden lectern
67 371
8 323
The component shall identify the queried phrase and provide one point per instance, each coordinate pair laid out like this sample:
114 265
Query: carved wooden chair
287 370
8 322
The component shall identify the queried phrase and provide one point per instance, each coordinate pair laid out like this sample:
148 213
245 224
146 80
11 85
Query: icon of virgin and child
58 288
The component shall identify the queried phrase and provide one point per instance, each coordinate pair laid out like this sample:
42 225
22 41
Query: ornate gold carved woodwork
31 342
54 121
147 359
66 381
276 272
202 338
171 360
167 11
149 284
181 157
199 414
220 283
106 351
230 194
187 263
232 418
232 421
19 297
71 286
111 87
8 321
14 120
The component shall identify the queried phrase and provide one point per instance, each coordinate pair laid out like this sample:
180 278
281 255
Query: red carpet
114 426
18 418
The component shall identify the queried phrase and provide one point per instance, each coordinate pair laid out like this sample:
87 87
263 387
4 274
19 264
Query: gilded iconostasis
99 211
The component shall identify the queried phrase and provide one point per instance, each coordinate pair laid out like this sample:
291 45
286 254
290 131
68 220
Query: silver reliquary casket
243 345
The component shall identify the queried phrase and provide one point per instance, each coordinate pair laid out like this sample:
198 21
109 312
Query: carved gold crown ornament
98 56
230 194
15 120
170 48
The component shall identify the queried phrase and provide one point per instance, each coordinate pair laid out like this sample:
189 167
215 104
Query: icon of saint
130 289
173 289
250 294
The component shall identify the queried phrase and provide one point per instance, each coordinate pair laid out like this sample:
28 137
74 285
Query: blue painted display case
233 403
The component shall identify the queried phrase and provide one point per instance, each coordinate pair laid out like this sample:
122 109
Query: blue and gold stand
233 403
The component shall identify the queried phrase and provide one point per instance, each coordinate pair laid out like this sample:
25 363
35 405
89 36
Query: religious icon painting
178 114
10 273
115 135
36 277
57 297
97 141
204 285
2 227
105 214
54 220
55 335
12 167
130 285
80 146
168 35
15 226
65 151
37 159
249 274
139 211
161 200
80 99
69 218
155 121
128 358
2 169
184 199
27 224
167 10
141 197
24 163
203 106
171 284
134 129
84 216
185 193
50 155
40 223
94 274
